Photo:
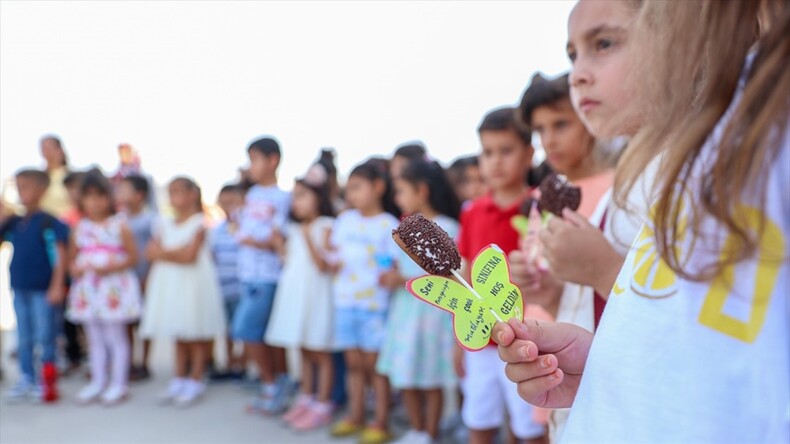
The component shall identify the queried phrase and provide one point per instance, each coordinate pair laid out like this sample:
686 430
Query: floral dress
114 297
417 352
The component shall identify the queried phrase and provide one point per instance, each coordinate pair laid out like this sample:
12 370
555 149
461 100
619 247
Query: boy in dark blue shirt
37 276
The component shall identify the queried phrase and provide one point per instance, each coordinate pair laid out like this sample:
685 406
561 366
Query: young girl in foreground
702 295
417 354
183 300
105 293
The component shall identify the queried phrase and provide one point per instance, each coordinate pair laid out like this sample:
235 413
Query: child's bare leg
381 390
326 375
414 408
482 436
355 370
308 375
182 358
434 402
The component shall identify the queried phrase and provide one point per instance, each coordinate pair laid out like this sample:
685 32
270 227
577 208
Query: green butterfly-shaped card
474 315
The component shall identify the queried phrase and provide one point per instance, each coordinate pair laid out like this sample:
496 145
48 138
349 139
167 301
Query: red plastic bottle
50 378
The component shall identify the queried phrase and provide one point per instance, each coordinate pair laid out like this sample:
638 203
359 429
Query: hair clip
316 175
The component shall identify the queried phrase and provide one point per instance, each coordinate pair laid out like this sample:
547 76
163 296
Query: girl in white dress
303 306
183 299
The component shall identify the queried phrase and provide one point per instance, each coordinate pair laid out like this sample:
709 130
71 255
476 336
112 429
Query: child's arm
185 255
330 256
278 243
56 292
316 254
75 271
127 239
268 244
392 279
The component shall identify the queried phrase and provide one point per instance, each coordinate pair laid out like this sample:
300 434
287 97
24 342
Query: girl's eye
603 44
572 56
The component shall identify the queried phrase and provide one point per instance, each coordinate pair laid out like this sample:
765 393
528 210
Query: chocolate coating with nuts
430 244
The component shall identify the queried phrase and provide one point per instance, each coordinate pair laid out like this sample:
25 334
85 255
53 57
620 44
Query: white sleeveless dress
303 310
183 301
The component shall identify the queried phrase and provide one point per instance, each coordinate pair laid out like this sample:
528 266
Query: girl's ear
379 186
423 191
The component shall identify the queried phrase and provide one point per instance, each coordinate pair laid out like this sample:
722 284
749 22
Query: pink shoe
296 411
315 417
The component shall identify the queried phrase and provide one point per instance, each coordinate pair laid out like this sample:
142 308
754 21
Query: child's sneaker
299 407
114 395
49 378
316 416
279 399
262 402
20 392
345 427
415 437
173 391
374 434
192 391
88 394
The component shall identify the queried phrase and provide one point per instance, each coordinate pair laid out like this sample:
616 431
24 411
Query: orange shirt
593 189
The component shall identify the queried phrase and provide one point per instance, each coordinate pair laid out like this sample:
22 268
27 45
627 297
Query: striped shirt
225 247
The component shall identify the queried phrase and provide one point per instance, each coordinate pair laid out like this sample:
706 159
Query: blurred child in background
37 275
362 239
132 194
262 222
105 293
183 299
417 353
303 314
505 158
225 248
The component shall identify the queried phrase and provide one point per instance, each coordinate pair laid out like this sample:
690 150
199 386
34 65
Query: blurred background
189 84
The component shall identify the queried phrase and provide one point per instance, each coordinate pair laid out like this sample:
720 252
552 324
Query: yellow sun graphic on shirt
652 277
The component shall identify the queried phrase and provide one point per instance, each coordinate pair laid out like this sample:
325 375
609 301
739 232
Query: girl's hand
391 279
153 251
106 269
56 295
76 271
545 359
538 286
578 252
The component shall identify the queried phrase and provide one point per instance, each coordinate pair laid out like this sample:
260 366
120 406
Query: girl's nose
580 74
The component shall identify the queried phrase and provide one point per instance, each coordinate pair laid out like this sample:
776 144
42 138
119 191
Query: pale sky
189 84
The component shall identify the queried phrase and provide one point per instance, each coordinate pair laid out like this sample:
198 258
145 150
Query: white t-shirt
365 249
681 361
265 209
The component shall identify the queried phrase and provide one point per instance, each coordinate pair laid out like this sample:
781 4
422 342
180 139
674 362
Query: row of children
340 284
293 276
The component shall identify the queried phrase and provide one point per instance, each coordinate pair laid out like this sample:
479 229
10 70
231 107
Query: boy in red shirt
504 161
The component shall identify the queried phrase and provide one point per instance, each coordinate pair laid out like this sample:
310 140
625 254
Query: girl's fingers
575 218
518 351
555 224
503 334
543 366
535 391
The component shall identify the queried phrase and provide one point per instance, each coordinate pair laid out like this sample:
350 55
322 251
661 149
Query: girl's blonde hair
692 56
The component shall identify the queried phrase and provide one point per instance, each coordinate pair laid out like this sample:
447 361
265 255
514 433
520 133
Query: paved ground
218 418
